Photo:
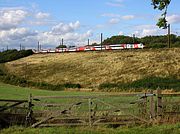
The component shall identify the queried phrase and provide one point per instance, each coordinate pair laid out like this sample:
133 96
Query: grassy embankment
117 70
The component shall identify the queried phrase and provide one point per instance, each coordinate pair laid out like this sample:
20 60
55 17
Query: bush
70 85
146 83
11 55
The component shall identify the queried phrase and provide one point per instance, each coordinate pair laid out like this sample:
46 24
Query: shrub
11 55
146 83
70 85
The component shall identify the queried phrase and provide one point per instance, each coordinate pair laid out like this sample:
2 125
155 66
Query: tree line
160 41
14 54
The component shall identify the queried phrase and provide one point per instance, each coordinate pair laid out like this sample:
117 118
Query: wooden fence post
30 111
145 105
90 112
152 106
159 104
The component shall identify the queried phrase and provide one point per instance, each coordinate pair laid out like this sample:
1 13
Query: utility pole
88 42
101 40
38 45
7 47
20 47
169 36
133 38
62 42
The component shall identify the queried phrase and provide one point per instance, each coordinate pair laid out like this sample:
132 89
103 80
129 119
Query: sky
26 22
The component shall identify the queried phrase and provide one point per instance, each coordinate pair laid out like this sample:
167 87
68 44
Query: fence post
152 106
90 112
145 105
159 104
30 111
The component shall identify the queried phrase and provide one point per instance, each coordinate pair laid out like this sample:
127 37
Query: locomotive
91 48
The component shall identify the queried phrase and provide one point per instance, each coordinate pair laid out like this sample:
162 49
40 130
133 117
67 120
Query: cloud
41 15
111 15
128 17
11 18
17 24
115 18
146 30
114 21
121 33
173 19
49 39
42 22
62 28
115 3
14 37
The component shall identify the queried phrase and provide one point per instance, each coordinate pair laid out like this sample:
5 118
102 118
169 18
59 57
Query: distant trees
120 40
11 55
61 46
149 41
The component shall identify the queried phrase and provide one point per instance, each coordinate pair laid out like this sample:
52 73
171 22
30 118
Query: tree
61 46
161 5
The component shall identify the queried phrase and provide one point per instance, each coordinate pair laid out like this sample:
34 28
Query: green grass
15 92
164 129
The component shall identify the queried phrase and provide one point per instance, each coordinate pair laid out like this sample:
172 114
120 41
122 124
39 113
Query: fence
120 109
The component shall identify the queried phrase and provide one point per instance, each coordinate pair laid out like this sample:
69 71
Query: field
13 92
91 69
95 70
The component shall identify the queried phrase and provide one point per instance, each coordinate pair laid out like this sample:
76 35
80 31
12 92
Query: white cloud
42 22
146 30
11 18
14 37
115 3
70 38
117 17
41 15
121 33
14 23
111 15
128 17
173 19
114 21
62 28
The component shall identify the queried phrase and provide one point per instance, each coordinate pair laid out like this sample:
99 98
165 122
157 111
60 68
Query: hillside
90 69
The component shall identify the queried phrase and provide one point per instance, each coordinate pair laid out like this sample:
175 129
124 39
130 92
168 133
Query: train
91 48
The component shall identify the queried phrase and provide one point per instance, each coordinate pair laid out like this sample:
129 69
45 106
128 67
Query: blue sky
28 21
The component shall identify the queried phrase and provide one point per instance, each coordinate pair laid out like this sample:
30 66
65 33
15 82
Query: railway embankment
111 70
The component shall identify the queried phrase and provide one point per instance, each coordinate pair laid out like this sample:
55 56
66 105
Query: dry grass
93 68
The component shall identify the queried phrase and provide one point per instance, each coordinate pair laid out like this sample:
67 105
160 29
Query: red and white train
92 48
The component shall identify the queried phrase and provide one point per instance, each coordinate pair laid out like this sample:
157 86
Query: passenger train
92 48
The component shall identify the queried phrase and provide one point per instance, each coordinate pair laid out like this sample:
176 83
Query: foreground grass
164 129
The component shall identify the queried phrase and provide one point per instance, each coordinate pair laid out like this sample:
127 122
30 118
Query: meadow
93 70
